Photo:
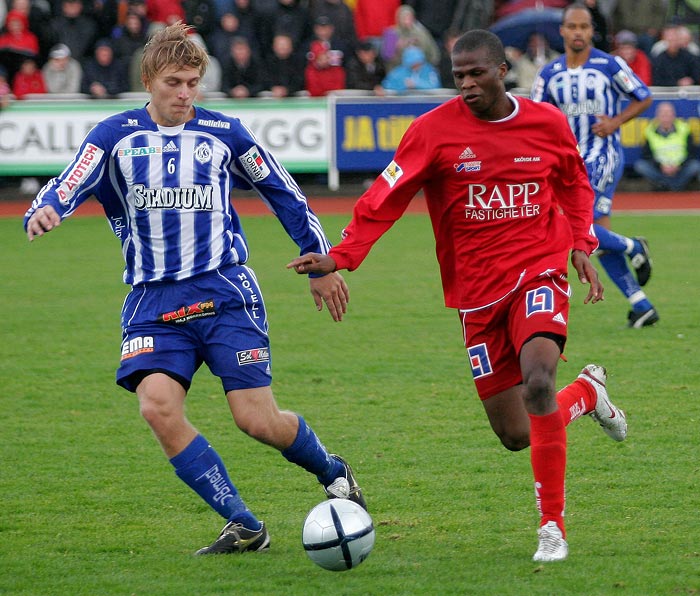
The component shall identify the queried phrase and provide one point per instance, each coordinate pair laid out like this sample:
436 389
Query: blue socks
201 468
615 265
308 452
612 242
614 260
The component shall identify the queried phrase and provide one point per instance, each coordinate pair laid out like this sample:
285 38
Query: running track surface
625 202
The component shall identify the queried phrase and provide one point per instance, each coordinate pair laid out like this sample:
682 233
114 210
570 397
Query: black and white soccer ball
338 534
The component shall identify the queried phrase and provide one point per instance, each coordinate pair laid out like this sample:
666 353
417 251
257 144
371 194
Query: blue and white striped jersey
596 88
166 192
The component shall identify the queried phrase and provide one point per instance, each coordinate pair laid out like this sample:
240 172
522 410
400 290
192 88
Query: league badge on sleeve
392 173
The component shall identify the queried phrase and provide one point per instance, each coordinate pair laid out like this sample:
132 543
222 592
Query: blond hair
172 46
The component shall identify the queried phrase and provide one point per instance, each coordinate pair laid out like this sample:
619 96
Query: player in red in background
509 200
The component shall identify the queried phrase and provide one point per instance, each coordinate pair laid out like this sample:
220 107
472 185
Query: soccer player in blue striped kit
163 174
589 86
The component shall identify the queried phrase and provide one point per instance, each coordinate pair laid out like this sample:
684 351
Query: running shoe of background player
641 261
637 320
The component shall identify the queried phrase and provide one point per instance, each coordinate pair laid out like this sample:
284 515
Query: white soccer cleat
609 416
338 489
552 546
346 487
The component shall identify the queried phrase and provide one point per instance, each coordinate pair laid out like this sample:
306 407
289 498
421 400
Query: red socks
548 449
548 457
575 400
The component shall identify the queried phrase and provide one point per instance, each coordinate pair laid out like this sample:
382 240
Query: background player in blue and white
589 86
163 174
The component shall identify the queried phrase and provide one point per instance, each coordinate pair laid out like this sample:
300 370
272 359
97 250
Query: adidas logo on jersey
467 154
171 147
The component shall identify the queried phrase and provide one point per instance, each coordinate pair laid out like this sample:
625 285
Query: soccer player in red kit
510 203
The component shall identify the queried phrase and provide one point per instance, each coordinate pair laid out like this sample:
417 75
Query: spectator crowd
288 48
281 48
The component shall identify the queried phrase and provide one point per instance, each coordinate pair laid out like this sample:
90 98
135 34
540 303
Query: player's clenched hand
42 220
332 290
604 126
587 274
313 262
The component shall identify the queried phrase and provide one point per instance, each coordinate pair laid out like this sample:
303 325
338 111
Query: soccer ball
338 534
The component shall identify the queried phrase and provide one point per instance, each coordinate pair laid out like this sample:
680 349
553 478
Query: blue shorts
218 318
604 175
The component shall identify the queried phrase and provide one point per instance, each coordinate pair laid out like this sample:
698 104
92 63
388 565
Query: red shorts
495 335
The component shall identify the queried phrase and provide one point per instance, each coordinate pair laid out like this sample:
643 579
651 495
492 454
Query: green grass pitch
90 506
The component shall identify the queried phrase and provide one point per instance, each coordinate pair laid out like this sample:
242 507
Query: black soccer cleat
345 487
235 538
641 262
637 320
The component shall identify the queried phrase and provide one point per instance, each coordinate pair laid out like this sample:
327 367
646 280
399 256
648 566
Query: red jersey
641 65
508 199
372 17
321 81
23 84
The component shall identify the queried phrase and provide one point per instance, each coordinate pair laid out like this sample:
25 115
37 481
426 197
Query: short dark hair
480 38
574 6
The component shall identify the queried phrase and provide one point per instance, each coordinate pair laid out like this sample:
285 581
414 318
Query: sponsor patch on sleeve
254 164
83 166
392 173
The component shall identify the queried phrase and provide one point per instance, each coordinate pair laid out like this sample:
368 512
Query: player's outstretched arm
43 220
313 262
587 274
